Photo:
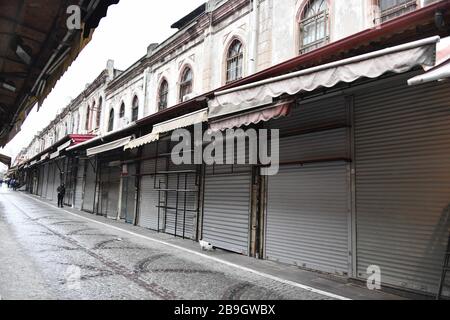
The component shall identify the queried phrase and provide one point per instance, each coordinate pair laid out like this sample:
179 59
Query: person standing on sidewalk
61 193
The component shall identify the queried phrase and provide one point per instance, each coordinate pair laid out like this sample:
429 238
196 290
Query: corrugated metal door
149 196
89 188
51 191
308 206
129 194
45 181
113 191
226 209
307 217
79 185
403 182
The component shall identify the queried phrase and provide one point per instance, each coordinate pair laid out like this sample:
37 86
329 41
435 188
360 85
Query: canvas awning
245 119
181 122
136 143
108 146
397 59
438 73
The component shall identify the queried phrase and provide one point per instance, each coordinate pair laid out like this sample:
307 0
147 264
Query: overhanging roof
36 48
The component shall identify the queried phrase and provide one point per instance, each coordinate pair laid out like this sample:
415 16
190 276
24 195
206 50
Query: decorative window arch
88 115
186 83
235 59
163 93
99 113
135 109
122 110
314 25
111 121
390 9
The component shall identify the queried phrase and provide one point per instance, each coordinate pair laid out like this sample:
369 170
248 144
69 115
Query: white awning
54 155
108 146
440 72
136 143
397 59
181 122
65 145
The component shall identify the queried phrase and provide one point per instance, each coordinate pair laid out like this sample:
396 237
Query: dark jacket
61 190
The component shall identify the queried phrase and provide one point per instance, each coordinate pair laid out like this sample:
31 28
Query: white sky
123 35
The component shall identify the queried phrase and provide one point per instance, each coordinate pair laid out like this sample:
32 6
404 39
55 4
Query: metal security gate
89 187
308 210
128 202
181 207
45 180
151 200
109 190
308 216
79 184
51 190
227 206
403 182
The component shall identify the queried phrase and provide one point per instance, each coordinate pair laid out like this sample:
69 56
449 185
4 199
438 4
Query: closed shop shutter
307 217
403 182
129 194
45 181
113 191
149 196
89 188
79 185
226 208
41 180
308 206
51 191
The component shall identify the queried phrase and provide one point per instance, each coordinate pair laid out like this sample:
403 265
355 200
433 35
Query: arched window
163 93
135 109
122 110
66 129
390 9
88 115
235 57
111 120
72 124
186 83
78 123
99 113
314 25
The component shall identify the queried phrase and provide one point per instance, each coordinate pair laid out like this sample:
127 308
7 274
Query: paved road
47 253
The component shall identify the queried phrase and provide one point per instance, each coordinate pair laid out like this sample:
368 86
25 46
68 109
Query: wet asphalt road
46 253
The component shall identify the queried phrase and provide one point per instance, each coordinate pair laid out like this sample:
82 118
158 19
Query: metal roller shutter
307 217
51 191
129 194
403 182
89 188
226 210
113 191
148 201
45 181
79 184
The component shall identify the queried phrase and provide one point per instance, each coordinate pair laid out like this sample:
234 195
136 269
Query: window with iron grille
314 26
235 57
163 94
390 9
111 120
186 83
122 111
135 109
99 113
